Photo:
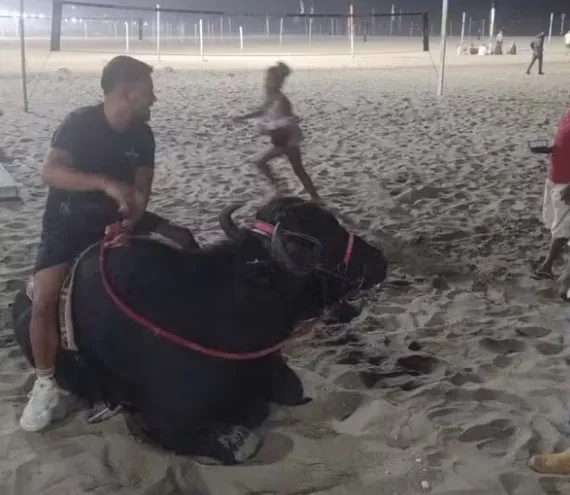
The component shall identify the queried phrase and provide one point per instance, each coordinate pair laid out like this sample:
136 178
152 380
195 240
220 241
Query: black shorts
64 241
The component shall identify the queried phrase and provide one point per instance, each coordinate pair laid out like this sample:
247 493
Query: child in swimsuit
282 127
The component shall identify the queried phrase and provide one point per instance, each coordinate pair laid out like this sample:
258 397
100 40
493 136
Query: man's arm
143 183
57 171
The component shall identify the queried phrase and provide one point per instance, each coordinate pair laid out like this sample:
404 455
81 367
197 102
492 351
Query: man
556 207
537 53
99 170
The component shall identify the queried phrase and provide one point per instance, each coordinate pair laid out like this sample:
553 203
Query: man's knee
46 290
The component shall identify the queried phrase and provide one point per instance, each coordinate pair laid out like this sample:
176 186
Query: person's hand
138 207
565 194
122 194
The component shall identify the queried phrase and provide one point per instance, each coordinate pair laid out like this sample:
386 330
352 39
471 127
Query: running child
282 126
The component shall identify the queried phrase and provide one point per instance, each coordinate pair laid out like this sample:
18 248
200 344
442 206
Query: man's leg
556 249
44 340
540 58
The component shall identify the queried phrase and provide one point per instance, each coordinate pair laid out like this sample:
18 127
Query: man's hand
131 202
121 193
138 208
565 194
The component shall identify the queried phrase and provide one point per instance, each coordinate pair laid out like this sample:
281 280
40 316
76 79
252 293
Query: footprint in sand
502 346
536 332
496 429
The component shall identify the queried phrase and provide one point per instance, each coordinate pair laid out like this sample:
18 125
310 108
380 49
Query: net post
492 22
23 57
310 30
425 30
127 47
351 30
332 27
141 24
221 28
195 33
201 31
56 19
469 30
463 20
230 26
267 26
281 31
562 21
442 47
158 31
550 27
241 40
392 19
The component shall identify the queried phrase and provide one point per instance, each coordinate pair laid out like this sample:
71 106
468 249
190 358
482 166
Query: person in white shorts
556 203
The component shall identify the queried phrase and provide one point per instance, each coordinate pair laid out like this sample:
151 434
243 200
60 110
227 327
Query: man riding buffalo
99 169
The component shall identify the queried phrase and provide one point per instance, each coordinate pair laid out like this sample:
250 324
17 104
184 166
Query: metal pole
443 42
158 31
23 57
241 39
201 40
310 30
469 31
84 28
463 19
562 21
351 31
550 27
267 25
127 47
492 23
392 18
281 31
221 29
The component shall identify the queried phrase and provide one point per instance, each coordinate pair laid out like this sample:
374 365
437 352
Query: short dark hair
123 70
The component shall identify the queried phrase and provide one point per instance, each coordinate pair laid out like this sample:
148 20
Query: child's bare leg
262 163
293 153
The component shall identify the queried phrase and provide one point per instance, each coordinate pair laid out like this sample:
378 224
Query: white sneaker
39 411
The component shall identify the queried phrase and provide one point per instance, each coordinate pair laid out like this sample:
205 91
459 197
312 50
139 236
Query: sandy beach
448 188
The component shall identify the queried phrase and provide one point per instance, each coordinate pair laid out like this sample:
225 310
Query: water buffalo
243 295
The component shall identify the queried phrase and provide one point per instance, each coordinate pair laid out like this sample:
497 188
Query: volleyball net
111 28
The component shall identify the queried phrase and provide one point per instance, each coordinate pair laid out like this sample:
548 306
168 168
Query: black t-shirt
96 149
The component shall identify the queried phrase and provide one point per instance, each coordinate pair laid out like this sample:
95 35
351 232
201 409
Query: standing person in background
556 204
499 43
537 46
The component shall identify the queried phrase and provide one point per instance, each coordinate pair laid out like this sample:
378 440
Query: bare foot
551 463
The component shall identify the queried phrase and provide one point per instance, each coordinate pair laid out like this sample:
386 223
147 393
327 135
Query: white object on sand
8 187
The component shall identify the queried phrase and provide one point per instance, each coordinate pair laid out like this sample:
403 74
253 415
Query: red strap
349 247
304 328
